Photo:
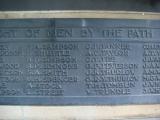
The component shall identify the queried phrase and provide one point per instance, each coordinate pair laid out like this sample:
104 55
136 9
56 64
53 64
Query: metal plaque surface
79 61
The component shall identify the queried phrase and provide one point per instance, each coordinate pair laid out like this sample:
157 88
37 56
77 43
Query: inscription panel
79 61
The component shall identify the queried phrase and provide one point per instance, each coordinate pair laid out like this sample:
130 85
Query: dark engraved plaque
79 61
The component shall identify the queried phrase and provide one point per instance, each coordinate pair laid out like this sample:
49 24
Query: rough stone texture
79 112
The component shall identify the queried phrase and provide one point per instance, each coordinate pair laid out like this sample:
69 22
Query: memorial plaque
79 61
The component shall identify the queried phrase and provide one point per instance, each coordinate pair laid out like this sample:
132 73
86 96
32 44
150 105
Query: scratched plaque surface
79 61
